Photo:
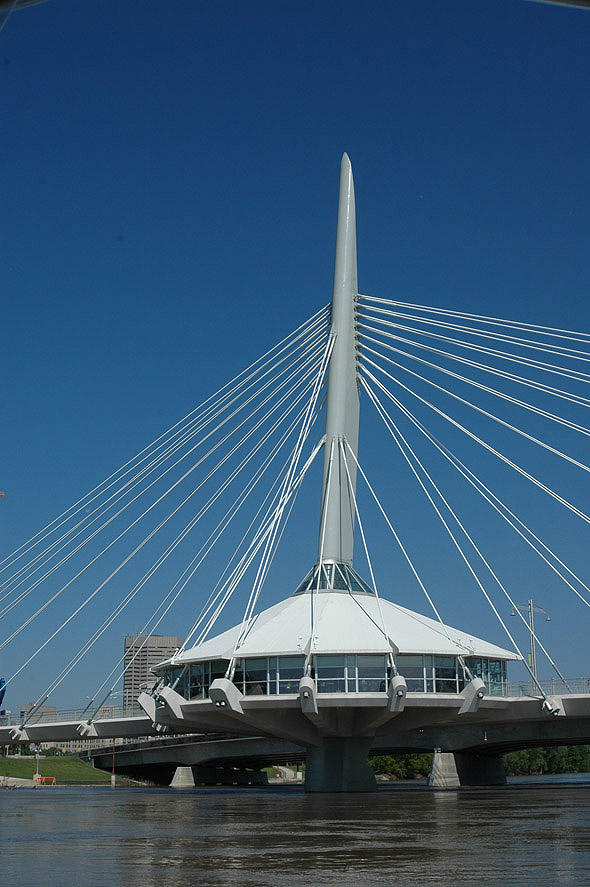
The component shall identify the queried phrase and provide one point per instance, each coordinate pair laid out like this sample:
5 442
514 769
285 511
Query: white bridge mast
342 410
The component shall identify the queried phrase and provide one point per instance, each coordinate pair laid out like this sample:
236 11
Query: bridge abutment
339 764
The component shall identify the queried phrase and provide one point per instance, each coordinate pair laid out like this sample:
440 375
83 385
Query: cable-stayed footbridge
334 666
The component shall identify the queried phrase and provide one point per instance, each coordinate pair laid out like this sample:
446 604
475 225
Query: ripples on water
520 835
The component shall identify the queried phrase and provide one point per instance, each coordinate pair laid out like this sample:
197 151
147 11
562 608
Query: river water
528 833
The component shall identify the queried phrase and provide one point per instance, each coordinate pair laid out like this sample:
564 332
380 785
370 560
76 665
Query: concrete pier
339 764
452 770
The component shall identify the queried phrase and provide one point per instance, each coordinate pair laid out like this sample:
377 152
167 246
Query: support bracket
226 696
472 696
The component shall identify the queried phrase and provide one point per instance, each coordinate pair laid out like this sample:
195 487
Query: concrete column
480 769
452 770
444 770
183 778
206 774
339 764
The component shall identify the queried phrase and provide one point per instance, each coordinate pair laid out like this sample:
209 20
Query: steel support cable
352 493
515 517
88 645
574 375
555 332
271 538
218 589
486 446
139 585
529 344
323 521
222 584
78 548
184 476
75 613
398 540
480 410
491 498
57 594
397 436
573 426
577 399
87 524
313 386
487 565
266 555
476 483
209 543
321 317
153 628
296 486
259 539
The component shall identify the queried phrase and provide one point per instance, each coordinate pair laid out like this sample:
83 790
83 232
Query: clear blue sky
168 203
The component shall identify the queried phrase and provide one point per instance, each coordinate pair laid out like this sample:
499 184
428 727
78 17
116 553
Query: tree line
527 762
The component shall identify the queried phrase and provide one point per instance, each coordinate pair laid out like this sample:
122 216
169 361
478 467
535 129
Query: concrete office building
141 654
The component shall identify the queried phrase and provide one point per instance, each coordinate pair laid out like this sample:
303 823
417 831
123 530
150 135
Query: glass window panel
371 685
291 666
330 662
407 659
255 688
172 674
182 687
371 666
446 686
291 686
196 682
446 672
327 672
218 668
444 662
495 669
475 666
409 671
255 677
331 685
340 580
330 673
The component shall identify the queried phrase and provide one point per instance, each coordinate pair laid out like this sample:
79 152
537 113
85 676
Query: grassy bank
66 770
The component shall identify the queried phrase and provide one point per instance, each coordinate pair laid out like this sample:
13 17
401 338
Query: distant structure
41 713
141 654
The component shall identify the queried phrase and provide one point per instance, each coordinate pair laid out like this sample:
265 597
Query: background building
141 654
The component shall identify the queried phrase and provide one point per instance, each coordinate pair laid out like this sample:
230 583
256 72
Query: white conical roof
345 622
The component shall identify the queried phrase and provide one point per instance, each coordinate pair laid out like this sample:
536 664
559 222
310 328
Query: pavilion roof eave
344 624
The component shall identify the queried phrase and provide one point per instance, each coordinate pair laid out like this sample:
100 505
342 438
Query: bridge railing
552 687
13 719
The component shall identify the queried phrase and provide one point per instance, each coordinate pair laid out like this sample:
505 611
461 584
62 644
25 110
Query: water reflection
159 838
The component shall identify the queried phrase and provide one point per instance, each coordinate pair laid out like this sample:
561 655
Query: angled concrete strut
342 411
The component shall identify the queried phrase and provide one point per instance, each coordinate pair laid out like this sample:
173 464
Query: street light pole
532 634
530 608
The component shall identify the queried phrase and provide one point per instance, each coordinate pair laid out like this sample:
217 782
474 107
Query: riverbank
66 770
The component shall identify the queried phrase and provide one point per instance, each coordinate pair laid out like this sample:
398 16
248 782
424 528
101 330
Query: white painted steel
342 410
